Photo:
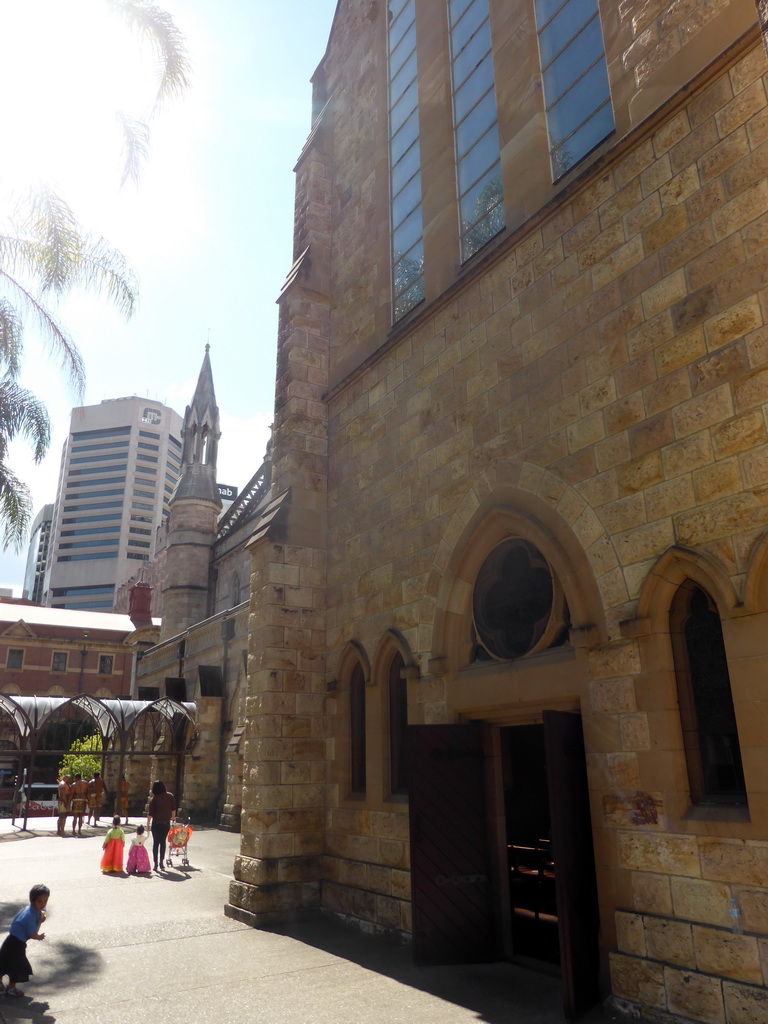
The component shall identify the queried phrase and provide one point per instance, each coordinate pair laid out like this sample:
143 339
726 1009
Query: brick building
58 652
507 650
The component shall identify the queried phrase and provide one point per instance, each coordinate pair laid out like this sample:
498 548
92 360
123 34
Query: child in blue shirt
26 925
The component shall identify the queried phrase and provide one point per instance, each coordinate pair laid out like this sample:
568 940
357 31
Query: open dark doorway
532 896
547 869
552 890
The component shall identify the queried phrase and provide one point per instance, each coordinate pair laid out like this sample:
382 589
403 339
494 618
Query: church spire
200 441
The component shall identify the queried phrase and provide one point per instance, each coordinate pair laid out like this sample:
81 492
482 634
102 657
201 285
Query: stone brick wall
599 375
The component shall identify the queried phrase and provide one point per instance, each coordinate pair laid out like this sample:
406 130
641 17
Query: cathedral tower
193 512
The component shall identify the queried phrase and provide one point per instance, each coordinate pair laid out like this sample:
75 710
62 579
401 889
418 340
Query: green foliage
84 757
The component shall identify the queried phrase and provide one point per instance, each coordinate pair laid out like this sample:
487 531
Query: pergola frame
115 720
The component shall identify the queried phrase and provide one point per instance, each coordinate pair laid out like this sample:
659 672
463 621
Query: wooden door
451 887
574 860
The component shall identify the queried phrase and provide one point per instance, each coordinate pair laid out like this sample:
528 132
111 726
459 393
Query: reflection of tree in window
707 716
408 282
488 218
512 601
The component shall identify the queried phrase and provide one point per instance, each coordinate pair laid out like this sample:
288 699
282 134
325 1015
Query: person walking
138 858
64 798
113 846
25 926
79 797
124 797
160 813
96 790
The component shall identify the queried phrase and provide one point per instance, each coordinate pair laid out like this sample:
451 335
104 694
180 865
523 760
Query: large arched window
398 726
707 716
357 747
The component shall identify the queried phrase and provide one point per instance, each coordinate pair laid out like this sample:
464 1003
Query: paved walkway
121 950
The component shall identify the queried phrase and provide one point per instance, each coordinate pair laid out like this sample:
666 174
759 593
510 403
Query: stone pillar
279 868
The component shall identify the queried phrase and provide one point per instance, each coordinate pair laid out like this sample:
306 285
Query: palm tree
44 253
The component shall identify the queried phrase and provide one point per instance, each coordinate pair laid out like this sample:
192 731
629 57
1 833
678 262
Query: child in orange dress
114 842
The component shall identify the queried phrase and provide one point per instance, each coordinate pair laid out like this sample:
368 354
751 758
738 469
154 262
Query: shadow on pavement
496 992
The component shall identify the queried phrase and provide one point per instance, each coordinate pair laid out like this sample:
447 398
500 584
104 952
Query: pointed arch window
710 736
235 591
398 726
357 746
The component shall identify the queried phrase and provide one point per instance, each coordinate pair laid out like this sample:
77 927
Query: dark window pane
476 123
707 716
408 267
404 107
400 82
399 25
398 727
482 155
406 200
408 233
564 26
404 49
479 82
581 53
472 54
582 141
456 8
579 104
409 299
472 18
357 730
406 167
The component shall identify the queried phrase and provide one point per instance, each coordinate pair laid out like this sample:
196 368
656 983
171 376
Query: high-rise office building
119 467
37 554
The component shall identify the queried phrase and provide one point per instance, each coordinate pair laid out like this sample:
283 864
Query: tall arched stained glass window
404 160
478 165
576 90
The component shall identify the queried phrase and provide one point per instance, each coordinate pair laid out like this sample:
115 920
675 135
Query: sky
208 230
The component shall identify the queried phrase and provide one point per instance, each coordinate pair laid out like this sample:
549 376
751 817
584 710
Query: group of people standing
161 813
84 799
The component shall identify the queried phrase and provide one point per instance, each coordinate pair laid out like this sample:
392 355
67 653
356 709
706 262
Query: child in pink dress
114 841
138 858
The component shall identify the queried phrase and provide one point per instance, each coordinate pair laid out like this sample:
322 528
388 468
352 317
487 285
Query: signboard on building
226 492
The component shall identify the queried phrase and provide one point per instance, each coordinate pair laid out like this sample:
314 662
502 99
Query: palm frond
49 222
15 509
22 414
55 333
11 332
159 29
135 147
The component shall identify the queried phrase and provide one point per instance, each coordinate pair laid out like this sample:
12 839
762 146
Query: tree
84 758
45 254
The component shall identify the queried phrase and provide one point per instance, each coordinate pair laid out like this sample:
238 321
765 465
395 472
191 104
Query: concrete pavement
120 950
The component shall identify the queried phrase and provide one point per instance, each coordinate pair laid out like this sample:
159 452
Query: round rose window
513 602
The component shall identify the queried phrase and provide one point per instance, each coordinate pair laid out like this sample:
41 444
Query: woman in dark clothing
160 813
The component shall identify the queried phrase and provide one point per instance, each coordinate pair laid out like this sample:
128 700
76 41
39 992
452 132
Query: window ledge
717 812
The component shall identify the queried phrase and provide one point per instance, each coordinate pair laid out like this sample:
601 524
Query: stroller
178 838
